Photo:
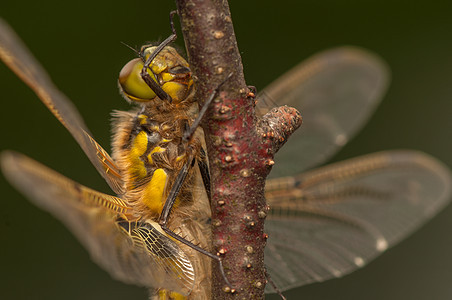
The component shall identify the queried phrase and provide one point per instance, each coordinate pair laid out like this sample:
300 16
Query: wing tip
368 57
441 170
9 162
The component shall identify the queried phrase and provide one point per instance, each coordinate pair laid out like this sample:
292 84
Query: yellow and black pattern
151 153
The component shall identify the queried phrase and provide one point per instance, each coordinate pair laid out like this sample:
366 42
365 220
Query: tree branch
240 147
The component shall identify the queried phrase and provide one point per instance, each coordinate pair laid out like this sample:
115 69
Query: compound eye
132 85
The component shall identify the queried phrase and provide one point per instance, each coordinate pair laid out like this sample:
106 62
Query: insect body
147 144
322 223
122 233
149 149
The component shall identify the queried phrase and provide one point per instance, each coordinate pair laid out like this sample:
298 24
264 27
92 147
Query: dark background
78 42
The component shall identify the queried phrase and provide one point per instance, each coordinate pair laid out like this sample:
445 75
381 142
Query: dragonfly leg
164 216
175 189
191 131
145 75
205 175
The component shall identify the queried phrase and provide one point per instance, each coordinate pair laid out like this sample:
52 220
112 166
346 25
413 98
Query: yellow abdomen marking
153 196
139 147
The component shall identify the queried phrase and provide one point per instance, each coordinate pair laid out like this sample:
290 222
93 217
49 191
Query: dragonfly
323 223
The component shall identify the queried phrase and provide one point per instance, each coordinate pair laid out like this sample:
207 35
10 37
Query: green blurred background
78 42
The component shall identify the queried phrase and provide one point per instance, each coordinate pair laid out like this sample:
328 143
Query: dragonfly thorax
150 154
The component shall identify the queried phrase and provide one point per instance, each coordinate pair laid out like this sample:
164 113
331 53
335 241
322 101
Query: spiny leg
188 134
205 175
145 75
175 189
164 216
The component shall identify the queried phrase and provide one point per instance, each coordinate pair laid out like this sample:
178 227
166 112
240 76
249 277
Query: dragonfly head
168 69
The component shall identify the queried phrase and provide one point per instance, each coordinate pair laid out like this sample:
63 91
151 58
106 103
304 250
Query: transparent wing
14 54
328 222
133 252
336 92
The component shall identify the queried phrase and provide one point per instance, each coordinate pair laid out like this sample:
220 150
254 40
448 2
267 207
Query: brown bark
240 147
